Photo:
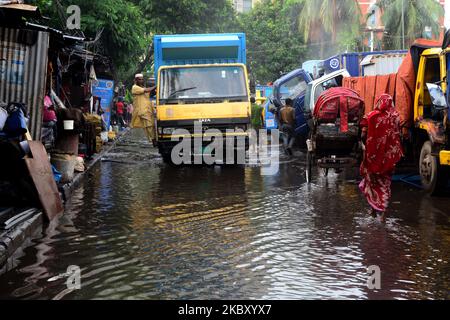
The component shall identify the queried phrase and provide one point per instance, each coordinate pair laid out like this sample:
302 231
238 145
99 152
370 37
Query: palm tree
329 17
417 16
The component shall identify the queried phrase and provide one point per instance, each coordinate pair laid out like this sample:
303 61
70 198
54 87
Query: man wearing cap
143 113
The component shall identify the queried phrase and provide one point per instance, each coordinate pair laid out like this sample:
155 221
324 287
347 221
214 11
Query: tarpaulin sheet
339 101
400 86
405 92
371 87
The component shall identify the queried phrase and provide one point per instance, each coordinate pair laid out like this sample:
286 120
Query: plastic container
3 117
68 124
65 164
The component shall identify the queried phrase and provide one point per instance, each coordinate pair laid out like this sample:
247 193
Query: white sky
447 14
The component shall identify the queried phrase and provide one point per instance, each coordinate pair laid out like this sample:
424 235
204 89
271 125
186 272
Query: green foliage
335 23
128 25
276 30
273 42
123 37
188 16
418 15
182 17
128 96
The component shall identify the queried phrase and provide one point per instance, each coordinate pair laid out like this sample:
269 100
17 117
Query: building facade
374 25
369 7
242 6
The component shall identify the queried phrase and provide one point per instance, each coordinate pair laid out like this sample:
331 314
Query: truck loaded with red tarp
421 93
400 85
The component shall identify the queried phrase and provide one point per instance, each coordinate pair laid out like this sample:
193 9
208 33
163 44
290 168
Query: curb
15 239
69 188
12 241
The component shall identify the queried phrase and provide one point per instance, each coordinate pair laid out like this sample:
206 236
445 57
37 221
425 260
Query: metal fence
23 71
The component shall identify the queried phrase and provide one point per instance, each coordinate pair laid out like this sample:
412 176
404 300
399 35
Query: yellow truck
202 84
431 117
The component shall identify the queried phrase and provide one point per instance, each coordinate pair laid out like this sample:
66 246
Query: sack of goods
15 123
79 164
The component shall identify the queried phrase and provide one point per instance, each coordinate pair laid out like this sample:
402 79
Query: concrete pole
403 24
372 40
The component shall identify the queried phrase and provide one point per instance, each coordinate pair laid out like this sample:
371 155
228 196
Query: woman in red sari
383 150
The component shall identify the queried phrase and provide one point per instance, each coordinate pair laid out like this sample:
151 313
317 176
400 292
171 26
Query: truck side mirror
437 95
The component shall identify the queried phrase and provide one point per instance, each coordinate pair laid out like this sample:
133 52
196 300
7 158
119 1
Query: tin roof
20 8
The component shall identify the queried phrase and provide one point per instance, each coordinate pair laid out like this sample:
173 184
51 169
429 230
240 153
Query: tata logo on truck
204 120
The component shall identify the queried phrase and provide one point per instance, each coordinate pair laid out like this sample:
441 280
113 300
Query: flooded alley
141 229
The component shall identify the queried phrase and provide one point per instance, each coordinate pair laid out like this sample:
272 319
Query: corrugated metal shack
36 59
23 66
51 73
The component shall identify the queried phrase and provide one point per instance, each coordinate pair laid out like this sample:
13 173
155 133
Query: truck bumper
166 144
444 157
192 136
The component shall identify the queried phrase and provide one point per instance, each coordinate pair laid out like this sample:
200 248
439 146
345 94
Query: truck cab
201 79
317 87
299 86
293 86
431 118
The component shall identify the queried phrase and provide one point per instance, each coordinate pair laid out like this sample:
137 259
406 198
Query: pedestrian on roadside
257 118
129 112
287 122
383 150
143 114
119 111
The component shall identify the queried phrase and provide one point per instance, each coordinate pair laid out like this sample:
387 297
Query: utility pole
372 40
403 24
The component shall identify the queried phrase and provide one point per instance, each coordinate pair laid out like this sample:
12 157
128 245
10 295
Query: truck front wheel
434 177
167 158
166 154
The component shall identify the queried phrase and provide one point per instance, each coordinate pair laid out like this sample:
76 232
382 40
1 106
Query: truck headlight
168 130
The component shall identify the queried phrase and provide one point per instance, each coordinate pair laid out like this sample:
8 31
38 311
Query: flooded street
140 229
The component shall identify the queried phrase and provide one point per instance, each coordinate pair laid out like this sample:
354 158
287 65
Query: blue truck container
352 61
195 49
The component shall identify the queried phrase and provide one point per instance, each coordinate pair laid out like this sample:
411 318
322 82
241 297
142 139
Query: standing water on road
140 229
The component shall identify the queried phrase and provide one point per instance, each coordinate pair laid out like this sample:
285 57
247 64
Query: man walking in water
143 113
287 121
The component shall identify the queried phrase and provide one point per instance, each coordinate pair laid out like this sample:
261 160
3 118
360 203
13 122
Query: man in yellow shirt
144 112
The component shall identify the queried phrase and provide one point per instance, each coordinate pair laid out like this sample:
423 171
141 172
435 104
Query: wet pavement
139 229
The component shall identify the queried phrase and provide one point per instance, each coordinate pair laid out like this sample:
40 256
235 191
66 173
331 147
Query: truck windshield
293 88
202 84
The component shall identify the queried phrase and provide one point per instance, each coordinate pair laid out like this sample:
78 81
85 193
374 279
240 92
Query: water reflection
141 230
